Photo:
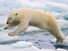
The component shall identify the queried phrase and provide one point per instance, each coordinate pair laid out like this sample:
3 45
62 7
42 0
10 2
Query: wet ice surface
32 39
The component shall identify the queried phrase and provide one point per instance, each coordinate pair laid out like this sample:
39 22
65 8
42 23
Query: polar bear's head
12 20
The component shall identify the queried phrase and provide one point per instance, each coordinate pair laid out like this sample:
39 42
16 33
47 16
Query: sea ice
22 44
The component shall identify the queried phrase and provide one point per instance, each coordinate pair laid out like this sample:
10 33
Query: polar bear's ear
16 14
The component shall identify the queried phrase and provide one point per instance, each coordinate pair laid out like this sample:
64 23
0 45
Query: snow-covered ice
22 44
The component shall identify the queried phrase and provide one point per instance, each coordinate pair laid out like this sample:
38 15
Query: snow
22 44
59 49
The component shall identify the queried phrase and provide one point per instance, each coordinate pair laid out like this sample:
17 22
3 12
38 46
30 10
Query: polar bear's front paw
13 34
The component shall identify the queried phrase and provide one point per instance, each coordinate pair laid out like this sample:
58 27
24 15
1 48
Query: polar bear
34 17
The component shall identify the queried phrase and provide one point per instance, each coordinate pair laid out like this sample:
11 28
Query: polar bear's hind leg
55 30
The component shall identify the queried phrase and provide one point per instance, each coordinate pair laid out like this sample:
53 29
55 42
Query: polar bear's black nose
7 23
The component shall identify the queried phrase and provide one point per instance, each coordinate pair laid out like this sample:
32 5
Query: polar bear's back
36 14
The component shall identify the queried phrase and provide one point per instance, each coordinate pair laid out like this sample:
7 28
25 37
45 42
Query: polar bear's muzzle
10 21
